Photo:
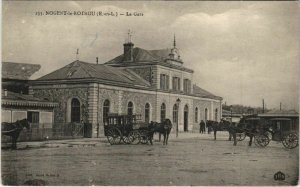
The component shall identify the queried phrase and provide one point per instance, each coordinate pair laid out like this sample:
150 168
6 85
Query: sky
241 51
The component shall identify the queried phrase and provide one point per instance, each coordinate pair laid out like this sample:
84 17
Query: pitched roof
83 70
20 71
203 93
143 56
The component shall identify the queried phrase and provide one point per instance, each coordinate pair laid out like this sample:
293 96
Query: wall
173 73
63 94
13 113
93 95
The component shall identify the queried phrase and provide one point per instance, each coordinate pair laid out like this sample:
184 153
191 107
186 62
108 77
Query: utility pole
263 102
280 106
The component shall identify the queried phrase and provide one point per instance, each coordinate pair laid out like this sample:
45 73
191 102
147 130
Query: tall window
162 112
147 113
206 115
187 86
176 83
75 110
196 114
216 114
130 108
164 82
175 113
105 110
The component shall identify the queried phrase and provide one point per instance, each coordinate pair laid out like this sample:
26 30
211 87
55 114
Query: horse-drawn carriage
129 129
276 129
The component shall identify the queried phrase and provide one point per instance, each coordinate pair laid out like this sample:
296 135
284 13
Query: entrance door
186 117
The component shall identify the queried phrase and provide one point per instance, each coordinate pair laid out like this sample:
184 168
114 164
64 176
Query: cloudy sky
241 51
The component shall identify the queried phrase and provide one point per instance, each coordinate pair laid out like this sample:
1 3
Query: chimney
128 52
96 60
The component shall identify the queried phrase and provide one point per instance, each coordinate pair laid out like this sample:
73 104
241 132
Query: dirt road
189 161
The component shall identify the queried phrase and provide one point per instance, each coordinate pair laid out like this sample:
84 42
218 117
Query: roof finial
174 44
77 53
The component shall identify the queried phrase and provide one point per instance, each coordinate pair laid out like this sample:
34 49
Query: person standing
202 127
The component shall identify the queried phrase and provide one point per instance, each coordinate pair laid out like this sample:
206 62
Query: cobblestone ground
189 160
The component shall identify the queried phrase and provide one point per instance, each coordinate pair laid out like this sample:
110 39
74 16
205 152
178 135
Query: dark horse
13 130
163 128
223 125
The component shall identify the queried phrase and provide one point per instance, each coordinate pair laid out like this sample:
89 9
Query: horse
163 128
223 125
13 130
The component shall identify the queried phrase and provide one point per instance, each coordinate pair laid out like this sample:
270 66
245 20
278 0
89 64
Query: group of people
204 126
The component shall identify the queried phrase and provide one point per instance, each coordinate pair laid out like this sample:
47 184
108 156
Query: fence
55 131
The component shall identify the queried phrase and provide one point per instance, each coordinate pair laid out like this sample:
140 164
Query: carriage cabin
282 125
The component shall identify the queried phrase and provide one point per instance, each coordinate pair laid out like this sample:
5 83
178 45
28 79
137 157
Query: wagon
124 128
283 131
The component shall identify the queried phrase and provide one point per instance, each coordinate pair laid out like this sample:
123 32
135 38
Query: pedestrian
202 127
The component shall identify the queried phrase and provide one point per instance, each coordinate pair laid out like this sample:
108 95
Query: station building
152 83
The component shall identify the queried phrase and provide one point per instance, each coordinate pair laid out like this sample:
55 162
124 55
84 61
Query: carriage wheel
290 141
261 140
144 137
241 136
114 136
134 137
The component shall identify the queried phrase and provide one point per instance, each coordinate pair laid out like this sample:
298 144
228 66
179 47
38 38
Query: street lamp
177 103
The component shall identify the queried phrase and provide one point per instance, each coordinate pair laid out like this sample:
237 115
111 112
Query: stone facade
63 95
92 97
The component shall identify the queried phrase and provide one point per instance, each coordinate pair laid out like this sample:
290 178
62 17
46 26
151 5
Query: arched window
216 114
106 106
147 113
196 115
206 115
75 110
175 113
162 112
130 108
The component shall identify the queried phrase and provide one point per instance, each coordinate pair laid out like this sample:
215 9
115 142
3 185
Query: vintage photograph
150 93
